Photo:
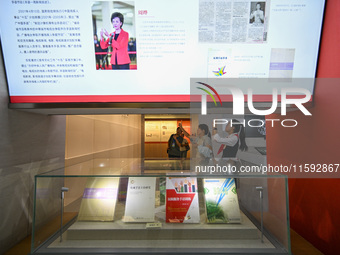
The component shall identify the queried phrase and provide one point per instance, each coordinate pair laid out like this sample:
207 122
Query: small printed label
154 225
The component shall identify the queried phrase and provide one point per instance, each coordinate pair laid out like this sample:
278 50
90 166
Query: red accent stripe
212 90
256 98
220 149
131 99
101 99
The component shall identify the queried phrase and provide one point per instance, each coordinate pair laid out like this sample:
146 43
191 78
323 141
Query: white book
140 200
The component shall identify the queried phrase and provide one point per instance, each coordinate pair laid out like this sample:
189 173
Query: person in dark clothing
174 144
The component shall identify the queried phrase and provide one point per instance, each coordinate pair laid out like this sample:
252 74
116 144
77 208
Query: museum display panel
49 47
128 205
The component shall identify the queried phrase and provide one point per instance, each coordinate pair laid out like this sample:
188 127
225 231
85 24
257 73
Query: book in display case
161 212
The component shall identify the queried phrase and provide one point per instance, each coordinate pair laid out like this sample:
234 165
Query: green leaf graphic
215 212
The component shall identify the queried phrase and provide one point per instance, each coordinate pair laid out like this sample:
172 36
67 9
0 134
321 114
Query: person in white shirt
201 143
233 142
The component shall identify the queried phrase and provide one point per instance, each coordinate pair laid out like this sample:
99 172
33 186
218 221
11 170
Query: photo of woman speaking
118 40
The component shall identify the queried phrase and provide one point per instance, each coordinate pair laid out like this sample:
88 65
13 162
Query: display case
132 206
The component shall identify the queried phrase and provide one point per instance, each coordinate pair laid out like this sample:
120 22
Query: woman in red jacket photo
118 40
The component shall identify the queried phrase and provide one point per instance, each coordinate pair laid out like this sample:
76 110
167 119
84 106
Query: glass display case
131 206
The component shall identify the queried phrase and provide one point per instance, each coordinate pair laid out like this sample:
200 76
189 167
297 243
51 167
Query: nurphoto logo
238 102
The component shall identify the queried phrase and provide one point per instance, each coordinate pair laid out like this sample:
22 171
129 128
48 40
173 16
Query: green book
221 202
